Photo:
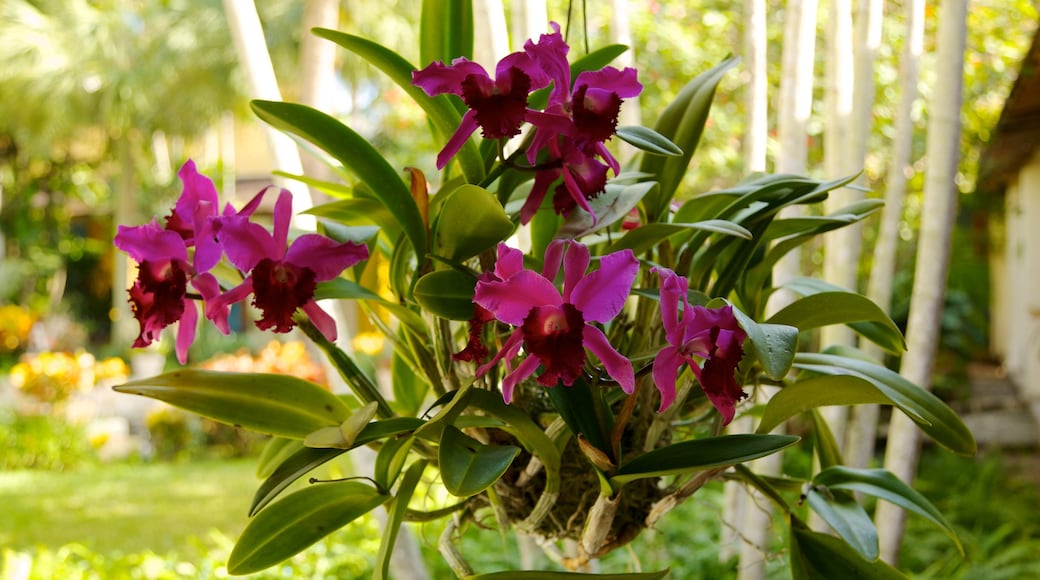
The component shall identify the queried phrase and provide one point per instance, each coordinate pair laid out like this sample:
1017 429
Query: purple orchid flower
712 334
498 107
584 178
159 296
281 280
554 329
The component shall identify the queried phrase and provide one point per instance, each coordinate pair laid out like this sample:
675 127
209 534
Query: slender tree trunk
756 136
621 33
124 212
251 47
841 247
926 300
491 44
317 76
794 109
863 431
530 18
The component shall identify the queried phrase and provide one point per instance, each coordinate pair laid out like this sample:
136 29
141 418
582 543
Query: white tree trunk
926 300
841 247
863 430
794 109
755 140
621 33
251 47
530 19
317 75
491 43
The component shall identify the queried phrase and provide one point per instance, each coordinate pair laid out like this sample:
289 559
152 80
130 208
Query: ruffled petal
602 294
513 299
439 78
618 366
624 83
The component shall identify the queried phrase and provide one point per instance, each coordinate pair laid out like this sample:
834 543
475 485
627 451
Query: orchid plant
554 316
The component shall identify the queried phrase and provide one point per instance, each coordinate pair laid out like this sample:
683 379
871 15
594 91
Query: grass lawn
126 507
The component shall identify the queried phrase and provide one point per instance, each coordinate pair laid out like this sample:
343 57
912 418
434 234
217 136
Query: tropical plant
577 405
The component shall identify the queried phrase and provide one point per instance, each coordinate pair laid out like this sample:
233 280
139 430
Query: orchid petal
186 331
575 263
553 258
439 78
282 218
624 83
673 287
509 349
324 256
150 242
466 128
602 294
510 261
321 319
217 309
618 366
207 249
542 180
513 299
574 188
666 373
524 370
246 243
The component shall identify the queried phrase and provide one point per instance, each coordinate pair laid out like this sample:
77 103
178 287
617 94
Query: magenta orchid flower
159 296
712 334
281 279
497 107
554 329
583 178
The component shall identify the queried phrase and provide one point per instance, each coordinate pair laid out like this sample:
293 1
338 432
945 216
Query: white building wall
1022 290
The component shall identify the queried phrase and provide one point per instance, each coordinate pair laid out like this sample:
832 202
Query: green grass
126 507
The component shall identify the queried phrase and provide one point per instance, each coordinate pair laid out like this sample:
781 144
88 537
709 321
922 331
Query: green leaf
276 451
341 288
608 207
470 221
647 236
816 556
774 345
847 518
467 466
268 403
446 30
395 517
446 293
648 140
824 304
408 386
827 451
583 410
305 459
544 575
360 210
883 484
442 114
822 391
390 460
682 122
294 523
355 153
700 454
924 408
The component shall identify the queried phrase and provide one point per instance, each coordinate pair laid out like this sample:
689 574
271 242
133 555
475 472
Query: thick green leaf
583 410
446 293
305 459
268 403
821 391
924 408
883 484
682 122
826 445
698 454
409 388
395 517
847 518
442 114
816 556
824 304
446 30
467 466
609 207
470 221
543 575
294 523
341 288
360 210
276 451
648 140
774 345
355 153
390 460
647 236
